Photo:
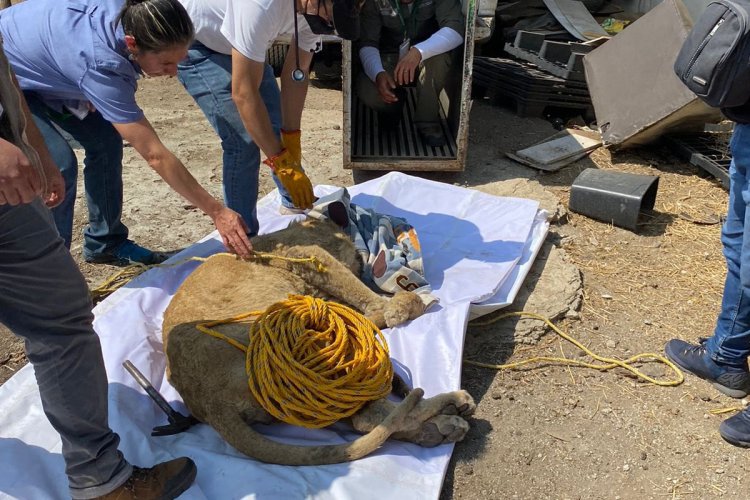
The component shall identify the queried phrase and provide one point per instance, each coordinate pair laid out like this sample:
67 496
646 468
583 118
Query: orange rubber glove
290 139
292 178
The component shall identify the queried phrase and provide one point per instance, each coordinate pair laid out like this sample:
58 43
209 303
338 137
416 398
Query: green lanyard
412 17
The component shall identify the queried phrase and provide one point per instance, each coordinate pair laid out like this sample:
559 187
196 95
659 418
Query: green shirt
383 28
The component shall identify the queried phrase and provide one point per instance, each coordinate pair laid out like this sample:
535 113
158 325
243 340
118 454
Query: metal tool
297 75
177 421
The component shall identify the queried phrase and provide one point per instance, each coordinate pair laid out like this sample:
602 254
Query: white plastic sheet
477 248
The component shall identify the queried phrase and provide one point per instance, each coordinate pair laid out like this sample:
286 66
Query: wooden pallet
371 141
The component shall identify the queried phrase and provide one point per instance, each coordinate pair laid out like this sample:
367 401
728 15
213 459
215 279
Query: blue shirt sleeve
112 94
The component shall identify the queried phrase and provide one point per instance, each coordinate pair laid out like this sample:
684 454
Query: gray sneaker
734 381
736 429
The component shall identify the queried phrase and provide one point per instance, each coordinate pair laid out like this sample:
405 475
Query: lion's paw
440 419
441 429
461 404
402 307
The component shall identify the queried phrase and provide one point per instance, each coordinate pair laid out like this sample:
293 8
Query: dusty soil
544 432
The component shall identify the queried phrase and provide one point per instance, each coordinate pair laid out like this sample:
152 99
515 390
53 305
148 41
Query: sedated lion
210 374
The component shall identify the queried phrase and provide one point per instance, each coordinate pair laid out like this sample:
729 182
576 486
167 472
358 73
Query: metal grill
371 141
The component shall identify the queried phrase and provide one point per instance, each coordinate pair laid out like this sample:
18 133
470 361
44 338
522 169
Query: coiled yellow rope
608 363
311 362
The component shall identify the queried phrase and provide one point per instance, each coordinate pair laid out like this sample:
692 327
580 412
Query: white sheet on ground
473 245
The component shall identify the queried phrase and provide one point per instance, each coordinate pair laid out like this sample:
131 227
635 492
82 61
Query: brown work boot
163 481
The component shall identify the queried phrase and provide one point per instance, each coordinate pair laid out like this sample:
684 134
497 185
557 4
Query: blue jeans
207 76
731 340
102 145
44 299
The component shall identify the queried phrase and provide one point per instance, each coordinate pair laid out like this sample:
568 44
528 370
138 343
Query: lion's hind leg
437 420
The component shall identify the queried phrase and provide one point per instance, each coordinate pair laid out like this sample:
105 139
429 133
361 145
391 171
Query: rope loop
604 363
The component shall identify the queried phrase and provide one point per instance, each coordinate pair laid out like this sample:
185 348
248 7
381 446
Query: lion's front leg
340 283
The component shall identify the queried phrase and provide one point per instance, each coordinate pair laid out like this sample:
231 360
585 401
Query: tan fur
210 374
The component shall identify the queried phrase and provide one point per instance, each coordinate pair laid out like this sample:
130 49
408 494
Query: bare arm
247 76
293 93
229 223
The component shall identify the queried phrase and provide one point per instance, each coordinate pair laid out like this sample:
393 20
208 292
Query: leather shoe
164 481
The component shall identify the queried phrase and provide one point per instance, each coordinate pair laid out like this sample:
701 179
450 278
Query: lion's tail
255 445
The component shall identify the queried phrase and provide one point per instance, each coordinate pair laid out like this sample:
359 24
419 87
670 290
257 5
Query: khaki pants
12 121
431 78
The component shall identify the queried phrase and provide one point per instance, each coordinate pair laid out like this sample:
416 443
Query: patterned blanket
388 245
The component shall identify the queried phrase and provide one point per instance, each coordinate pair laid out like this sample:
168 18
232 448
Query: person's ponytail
156 25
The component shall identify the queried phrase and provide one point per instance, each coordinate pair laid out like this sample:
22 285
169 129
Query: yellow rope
319 266
721 411
609 363
127 273
116 281
312 362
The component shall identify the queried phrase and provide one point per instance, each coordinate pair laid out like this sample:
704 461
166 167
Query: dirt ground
543 432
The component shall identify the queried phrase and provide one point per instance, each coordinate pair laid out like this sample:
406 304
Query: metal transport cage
368 146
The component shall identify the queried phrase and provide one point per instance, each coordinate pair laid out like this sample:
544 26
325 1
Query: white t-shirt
250 26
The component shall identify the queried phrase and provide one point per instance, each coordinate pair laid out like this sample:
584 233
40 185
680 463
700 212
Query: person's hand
233 232
290 139
406 69
385 85
292 178
55 187
19 180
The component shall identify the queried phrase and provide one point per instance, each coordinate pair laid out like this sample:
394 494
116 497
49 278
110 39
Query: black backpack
714 61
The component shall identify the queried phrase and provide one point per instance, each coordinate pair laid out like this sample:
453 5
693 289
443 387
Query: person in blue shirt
78 63
44 300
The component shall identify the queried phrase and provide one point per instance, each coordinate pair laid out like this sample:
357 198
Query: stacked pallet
531 90
560 58
708 151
